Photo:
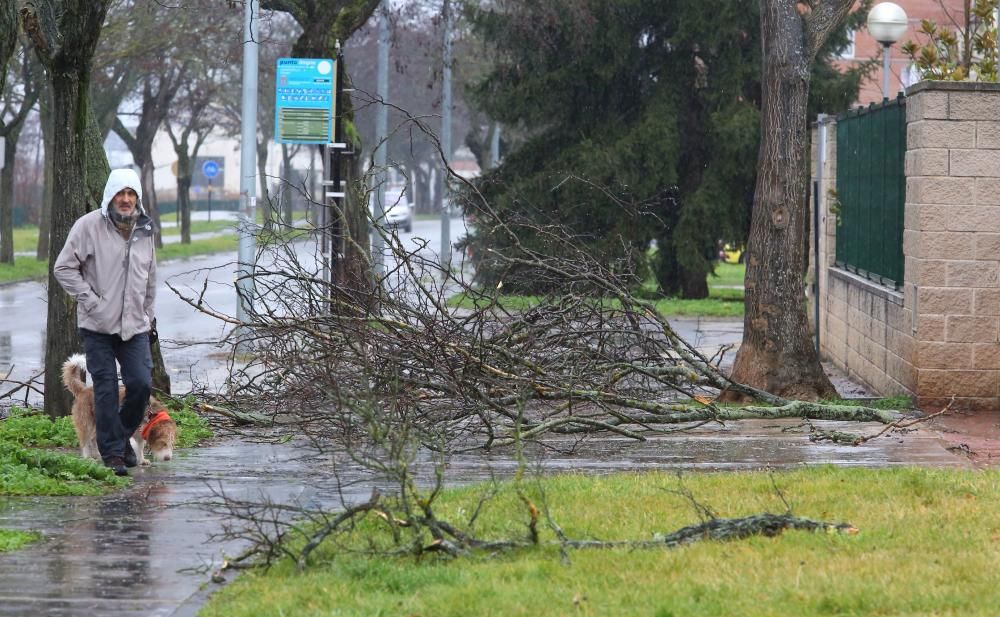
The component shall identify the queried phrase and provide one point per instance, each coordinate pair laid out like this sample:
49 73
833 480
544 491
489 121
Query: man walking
108 265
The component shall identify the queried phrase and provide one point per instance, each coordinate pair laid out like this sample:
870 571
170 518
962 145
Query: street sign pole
381 175
446 142
306 112
210 169
248 160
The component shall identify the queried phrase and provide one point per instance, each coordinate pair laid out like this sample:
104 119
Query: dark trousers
114 423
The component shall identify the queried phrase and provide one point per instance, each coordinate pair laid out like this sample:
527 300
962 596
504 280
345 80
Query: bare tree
415 85
118 60
163 61
777 354
65 34
17 102
188 124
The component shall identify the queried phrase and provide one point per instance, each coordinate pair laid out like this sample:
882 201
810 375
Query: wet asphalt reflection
148 550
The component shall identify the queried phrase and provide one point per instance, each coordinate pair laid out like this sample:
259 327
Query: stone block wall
940 337
865 328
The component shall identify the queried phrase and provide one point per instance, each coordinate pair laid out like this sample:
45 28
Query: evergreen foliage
642 124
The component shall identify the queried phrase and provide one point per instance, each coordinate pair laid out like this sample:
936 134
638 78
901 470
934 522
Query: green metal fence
871 190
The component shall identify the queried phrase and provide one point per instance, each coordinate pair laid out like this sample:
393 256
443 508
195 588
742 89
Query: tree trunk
161 378
184 194
422 197
62 338
8 38
48 182
7 198
144 161
777 354
270 214
289 192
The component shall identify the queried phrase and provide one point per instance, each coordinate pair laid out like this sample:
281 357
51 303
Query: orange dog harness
161 416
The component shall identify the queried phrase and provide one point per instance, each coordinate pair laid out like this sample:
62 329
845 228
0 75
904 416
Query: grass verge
25 268
725 297
720 303
35 471
11 540
220 244
928 545
26 468
200 227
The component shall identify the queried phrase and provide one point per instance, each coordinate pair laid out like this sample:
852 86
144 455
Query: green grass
23 268
206 246
26 239
27 468
728 274
192 429
36 471
929 543
199 227
720 303
11 540
725 299
28 427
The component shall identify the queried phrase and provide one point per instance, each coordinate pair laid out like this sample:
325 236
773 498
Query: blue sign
305 104
210 169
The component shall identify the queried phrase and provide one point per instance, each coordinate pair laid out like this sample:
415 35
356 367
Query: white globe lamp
887 23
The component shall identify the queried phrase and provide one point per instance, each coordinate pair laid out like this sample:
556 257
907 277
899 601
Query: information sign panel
305 104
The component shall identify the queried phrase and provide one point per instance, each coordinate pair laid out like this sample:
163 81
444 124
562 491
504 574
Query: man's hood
118 180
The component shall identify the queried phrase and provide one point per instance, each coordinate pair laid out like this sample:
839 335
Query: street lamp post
887 23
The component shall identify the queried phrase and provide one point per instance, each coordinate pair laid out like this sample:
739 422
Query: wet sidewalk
147 550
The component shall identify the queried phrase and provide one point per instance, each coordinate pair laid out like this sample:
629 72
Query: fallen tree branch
729 529
856 440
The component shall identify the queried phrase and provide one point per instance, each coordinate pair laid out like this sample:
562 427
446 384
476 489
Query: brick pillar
951 242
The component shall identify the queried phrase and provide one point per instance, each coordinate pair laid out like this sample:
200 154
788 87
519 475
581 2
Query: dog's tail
73 372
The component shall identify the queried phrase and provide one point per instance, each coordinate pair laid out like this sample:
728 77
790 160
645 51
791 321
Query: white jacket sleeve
68 269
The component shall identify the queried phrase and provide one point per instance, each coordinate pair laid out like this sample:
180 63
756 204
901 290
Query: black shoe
117 465
130 458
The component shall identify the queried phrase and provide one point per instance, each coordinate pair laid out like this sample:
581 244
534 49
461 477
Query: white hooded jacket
113 280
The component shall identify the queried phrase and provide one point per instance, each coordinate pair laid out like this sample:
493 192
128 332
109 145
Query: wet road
189 337
147 551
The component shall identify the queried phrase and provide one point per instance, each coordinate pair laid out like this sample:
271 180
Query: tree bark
70 193
45 214
8 38
288 193
65 38
777 354
184 192
270 209
7 197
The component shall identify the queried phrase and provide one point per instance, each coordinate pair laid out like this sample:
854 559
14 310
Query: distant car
398 210
731 254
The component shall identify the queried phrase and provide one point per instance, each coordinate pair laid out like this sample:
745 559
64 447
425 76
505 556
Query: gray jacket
113 280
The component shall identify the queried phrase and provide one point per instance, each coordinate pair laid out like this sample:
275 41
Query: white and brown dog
157 430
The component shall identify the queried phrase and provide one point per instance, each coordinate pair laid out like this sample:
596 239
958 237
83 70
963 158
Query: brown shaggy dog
157 430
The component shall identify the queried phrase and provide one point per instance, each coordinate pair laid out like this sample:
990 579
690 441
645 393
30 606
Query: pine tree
642 124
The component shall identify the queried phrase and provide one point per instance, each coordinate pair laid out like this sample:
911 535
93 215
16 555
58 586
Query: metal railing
871 191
